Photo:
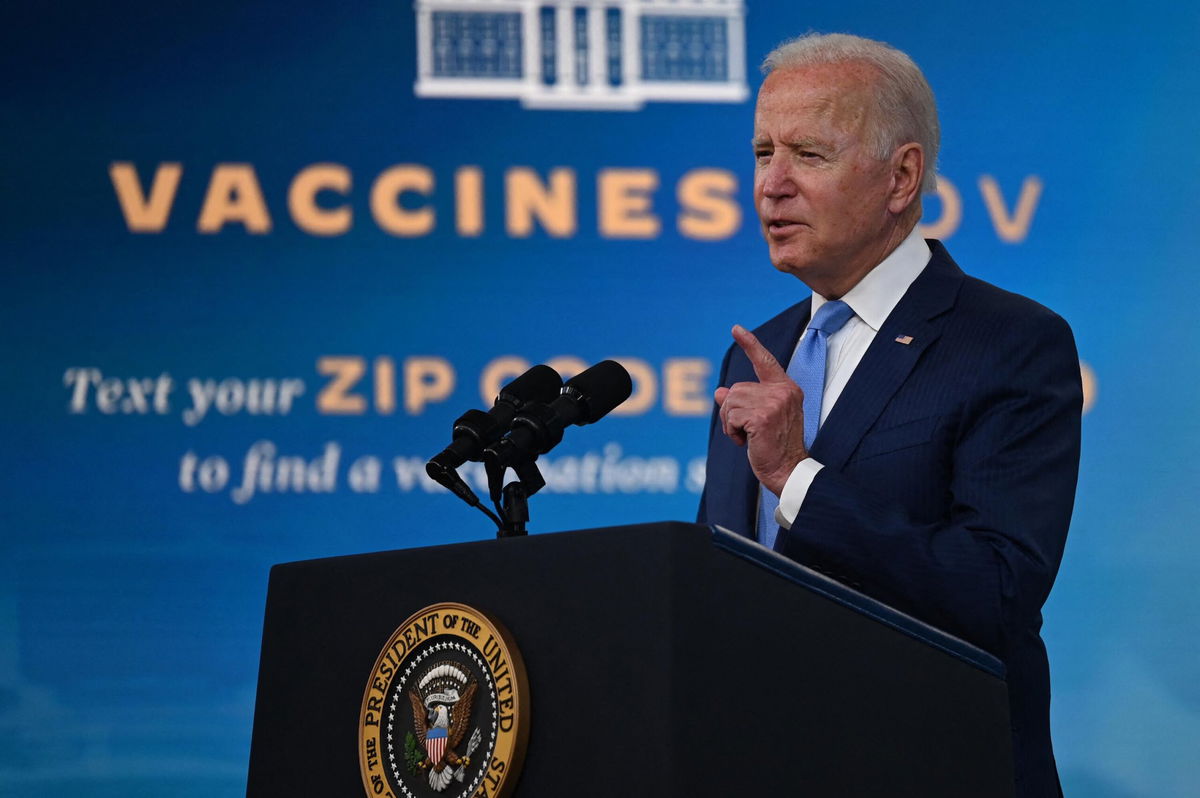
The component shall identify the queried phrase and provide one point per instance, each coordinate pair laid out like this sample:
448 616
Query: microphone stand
512 500
515 498
535 428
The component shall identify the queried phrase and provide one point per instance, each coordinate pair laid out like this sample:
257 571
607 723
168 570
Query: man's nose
776 178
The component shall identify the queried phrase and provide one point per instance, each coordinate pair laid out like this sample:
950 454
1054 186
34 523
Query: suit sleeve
714 428
987 566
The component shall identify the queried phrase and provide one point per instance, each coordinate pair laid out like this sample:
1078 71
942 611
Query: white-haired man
932 460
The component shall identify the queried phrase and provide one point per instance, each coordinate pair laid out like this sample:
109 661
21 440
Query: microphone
538 428
475 429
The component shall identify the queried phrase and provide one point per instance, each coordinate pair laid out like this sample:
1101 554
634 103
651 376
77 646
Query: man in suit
932 461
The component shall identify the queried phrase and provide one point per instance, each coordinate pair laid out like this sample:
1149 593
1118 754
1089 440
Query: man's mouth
780 226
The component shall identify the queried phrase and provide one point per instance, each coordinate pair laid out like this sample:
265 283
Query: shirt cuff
795 490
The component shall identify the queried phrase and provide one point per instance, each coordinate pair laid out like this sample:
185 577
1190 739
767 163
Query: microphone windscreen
602 387
539 384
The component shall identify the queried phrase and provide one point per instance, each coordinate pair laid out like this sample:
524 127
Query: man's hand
765 416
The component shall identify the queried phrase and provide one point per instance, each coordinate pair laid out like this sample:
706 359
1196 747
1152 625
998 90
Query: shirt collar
877 293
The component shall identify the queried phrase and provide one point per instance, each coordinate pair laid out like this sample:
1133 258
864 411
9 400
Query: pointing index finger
766 367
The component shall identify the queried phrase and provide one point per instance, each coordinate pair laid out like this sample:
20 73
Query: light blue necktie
807 369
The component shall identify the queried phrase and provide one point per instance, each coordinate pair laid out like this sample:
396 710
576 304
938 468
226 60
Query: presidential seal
446 709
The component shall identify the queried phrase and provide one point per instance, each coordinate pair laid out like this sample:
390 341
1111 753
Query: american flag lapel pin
904 339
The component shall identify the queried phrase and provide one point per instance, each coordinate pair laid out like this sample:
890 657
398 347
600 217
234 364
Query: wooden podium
665 659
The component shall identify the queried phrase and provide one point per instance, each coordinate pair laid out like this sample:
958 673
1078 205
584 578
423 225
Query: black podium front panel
663 660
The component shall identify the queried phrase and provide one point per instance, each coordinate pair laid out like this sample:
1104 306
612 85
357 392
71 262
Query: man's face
821 195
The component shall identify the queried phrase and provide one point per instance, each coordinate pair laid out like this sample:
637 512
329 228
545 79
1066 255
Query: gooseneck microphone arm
527 420
475 429
538 428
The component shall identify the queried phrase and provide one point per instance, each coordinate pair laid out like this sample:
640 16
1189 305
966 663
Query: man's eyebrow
808 142
802 143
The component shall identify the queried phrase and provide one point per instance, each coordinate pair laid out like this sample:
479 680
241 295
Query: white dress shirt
872 300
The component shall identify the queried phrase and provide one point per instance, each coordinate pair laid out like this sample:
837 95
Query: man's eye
762 155
809 155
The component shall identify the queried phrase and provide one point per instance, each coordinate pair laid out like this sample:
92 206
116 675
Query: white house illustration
582 54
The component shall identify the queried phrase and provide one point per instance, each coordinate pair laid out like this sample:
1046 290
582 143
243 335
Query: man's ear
908 165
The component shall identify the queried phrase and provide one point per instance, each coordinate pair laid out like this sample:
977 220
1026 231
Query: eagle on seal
440 730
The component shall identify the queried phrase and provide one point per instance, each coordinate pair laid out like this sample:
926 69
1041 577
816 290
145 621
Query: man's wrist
777 481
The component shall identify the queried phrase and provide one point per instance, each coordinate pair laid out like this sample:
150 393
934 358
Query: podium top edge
732 544
740 546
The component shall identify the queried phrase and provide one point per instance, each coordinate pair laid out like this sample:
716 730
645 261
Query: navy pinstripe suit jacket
949 478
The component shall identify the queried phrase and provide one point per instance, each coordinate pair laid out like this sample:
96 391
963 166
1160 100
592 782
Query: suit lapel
921 315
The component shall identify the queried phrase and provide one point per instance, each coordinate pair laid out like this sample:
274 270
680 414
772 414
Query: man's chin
788 261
